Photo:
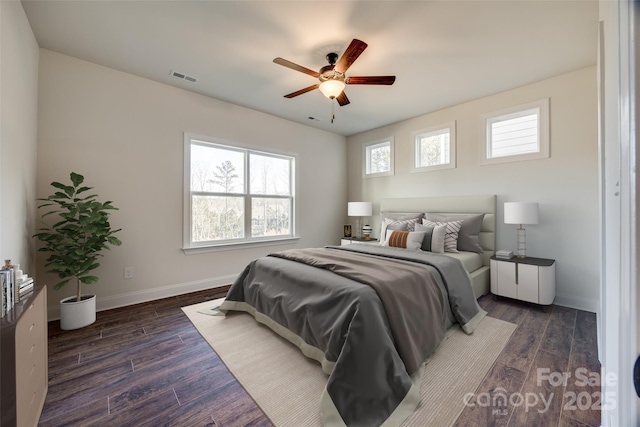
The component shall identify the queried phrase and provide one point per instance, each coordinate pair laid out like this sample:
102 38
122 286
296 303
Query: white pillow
404 239
434 237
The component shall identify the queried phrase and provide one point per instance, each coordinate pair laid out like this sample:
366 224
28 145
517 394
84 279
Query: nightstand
349 240
527 279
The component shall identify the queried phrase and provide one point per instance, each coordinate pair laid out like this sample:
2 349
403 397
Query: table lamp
521 213
358 210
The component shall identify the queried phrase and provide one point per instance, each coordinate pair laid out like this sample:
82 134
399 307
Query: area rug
287 385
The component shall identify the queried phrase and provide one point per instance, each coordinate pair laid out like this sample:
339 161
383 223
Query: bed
478 265
371 315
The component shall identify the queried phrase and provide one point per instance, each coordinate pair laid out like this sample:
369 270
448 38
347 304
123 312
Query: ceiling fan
332 77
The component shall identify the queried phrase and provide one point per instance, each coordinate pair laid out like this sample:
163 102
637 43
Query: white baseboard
577 303
115 301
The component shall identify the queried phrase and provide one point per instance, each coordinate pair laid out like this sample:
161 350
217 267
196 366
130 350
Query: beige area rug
287 385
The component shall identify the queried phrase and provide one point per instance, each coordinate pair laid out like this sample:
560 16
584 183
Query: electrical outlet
128 272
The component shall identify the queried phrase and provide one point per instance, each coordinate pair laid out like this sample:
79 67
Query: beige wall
18 121
565 185
125 135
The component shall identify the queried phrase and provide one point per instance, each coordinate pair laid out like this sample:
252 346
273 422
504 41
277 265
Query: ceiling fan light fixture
332 88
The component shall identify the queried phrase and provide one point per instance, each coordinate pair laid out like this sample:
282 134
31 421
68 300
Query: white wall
18 121
125 135
565 185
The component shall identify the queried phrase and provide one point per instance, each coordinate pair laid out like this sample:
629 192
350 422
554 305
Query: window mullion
248 214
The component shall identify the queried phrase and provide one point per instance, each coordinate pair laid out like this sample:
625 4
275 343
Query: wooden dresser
23 361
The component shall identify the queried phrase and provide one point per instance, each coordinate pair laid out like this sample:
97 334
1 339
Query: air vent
182 76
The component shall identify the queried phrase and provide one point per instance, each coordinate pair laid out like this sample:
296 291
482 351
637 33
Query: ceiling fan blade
370 80
301 91
296 67
350 55
342 99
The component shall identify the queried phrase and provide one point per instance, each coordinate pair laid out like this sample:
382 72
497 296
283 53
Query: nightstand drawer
29 392
30 330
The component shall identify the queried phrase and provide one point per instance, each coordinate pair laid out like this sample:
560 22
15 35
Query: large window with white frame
378 158
434 148
516 133
236 195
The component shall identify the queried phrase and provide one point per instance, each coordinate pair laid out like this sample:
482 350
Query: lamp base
521 242
358 233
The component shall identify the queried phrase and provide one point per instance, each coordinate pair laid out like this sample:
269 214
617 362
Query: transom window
517 133
378 158
434 148
236 195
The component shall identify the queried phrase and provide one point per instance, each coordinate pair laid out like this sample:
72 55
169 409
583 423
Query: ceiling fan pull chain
333 116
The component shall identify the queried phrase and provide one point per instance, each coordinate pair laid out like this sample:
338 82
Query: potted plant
79 232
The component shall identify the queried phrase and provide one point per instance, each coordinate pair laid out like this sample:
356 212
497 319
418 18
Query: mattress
470 260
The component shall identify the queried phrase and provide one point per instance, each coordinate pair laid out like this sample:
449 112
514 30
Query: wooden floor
146 365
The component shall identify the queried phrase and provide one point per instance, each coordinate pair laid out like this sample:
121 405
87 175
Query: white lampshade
359 209
520 213
332 88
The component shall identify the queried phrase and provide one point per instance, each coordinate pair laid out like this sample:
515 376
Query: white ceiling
442 52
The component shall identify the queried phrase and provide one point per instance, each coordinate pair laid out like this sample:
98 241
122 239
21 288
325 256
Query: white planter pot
77 314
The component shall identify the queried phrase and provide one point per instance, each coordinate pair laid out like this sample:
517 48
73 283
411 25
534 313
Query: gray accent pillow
469 234
434 238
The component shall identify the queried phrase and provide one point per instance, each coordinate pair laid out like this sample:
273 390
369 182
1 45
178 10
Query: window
378 158
434 148
236 195
518 133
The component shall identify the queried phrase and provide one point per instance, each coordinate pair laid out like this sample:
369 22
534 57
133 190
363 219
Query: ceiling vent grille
182 76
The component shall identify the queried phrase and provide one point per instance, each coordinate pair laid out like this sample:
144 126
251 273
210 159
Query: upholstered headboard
455 204
452 204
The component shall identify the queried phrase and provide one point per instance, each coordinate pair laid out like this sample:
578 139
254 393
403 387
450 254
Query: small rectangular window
517 133
236 195
378 158
434 148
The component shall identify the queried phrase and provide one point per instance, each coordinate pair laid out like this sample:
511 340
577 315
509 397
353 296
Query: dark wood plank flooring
146 365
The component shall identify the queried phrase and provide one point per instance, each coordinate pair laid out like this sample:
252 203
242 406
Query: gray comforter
370 315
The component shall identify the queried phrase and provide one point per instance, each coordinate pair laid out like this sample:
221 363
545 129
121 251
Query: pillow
433 238
404 239
398 224
451 234
469 235
397 217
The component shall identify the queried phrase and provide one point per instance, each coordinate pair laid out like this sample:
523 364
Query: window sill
238 245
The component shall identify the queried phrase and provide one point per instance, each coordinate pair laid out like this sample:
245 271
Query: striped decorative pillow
397 216
451 235
398 224
404 239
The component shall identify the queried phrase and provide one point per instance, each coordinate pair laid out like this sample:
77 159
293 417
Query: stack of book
24 285
8 290
14 285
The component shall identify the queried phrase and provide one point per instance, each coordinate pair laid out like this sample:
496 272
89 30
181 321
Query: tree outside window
238 195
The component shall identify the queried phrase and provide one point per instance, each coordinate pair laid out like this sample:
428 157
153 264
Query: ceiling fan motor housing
327 72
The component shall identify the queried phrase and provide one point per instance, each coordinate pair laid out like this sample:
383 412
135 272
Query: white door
618 331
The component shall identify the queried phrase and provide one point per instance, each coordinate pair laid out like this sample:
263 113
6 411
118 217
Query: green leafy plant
81 232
